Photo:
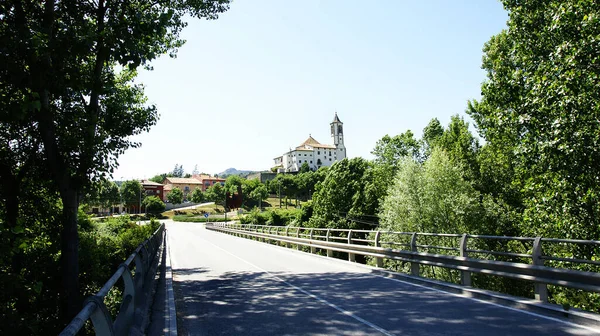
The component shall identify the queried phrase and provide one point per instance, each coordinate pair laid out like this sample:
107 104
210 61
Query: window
310 162
299 161
329 159
187 188
319 152
329 153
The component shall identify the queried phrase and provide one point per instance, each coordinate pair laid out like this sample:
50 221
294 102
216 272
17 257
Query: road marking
170 316
345 312
595 330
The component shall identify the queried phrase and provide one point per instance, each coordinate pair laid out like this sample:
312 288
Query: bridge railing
132 302
459 252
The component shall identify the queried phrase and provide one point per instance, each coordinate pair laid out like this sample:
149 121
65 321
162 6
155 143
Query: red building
153 188
208 180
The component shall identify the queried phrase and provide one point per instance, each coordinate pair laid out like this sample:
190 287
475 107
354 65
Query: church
315 154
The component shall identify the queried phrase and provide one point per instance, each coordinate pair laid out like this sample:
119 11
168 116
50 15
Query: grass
273 202
212 209
184 218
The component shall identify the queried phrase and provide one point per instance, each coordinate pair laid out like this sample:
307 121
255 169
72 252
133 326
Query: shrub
154 205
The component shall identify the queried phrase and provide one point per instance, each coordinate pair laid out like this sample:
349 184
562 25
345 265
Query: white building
312 152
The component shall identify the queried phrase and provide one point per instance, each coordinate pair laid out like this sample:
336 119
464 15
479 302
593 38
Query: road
226 285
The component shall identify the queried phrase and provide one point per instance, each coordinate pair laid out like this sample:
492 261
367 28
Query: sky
247 87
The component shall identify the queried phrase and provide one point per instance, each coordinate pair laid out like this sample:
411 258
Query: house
312 152
208 181
187 185
153 189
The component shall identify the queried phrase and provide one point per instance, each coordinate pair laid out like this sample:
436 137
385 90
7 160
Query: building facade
315 154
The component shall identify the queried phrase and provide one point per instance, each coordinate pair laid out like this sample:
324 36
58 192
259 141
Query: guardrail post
312 249
378 260
329 251
298 236
465 276
128 306
351 256
101 319
414 267
287 244
541 289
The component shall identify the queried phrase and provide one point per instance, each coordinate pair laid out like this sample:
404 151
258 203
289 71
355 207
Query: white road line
596 330
345 312
170 316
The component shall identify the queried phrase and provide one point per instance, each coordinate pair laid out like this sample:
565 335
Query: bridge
225 284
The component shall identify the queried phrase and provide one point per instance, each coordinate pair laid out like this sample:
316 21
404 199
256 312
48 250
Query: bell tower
337 134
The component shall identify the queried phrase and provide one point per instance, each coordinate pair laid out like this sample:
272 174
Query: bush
154 205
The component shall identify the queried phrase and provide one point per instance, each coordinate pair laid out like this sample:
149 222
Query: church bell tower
337 133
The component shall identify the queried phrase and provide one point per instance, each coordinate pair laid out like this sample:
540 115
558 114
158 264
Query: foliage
304 168
158 178
433 197
215 193
345 194
153 205
132 193
260 193
177 171
197 195
233 183
175 196
274 217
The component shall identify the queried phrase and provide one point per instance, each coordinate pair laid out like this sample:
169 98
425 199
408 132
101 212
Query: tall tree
62 57
175 196
132 193
541 101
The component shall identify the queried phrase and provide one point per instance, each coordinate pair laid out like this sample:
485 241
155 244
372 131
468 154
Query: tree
153 205
259 194
433 197
158 178
431 135
197 195
175 196
461 146
104 194
64 59
177 171
233 183
216 193
343 200
304 168
132 193
540 101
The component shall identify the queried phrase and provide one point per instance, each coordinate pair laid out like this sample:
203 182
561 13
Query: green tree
432 197
259 194
132 193
63 59
343 199
431 135
233 182
158 178
175 196
216 193
153 205
197 195
304 168
541 101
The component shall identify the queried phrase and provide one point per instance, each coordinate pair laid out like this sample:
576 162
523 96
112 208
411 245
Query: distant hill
233 171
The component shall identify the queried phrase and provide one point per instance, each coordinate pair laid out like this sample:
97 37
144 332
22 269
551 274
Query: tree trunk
70 255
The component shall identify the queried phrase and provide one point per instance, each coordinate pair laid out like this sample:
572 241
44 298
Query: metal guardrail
388 245
94 307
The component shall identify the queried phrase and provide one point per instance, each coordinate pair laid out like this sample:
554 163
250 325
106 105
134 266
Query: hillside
233 171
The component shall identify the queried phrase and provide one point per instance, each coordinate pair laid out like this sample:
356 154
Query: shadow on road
259 303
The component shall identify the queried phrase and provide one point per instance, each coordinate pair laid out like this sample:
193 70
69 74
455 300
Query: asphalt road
226 285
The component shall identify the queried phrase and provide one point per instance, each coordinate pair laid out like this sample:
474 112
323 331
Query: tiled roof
148 182
310 141
182 180
304 149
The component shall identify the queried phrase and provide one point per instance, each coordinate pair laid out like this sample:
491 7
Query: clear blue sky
266 74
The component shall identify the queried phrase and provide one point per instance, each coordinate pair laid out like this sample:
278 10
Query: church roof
336 119
310 141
